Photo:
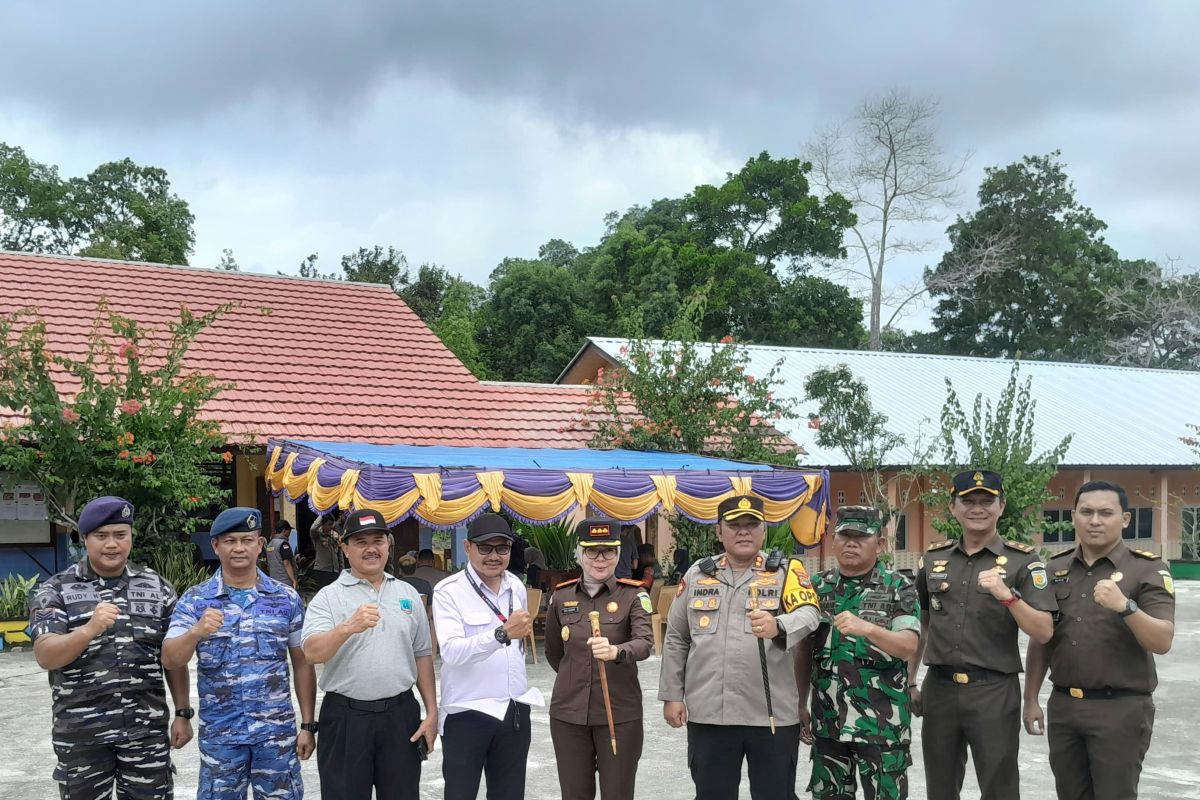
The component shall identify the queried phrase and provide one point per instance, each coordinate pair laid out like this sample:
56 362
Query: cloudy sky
464 132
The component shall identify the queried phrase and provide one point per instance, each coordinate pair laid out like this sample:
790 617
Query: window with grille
1058 515
1141 524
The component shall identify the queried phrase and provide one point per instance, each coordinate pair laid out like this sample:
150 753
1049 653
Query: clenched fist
365 616
602 650
104 616
209 623
519 625
992 580
850 625
1109 595
763 624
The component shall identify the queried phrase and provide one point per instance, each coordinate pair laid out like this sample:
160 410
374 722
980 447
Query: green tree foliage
128 212
998 438
427 294
687 396
228 263
120 210
130 423
456 325
532 321
376 265
310 269
1047 301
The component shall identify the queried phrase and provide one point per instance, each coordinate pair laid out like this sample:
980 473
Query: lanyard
490 604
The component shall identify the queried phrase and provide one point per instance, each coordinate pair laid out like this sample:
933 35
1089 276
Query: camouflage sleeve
183 614
906 616
47 614
1155 593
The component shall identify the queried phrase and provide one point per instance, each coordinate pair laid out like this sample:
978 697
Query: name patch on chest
698 592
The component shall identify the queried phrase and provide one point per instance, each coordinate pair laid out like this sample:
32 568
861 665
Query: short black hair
282 525
1104 486
425 554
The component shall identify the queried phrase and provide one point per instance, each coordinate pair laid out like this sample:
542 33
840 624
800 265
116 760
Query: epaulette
942 545
1145 554
1062 553
571 582
627 582
1019 546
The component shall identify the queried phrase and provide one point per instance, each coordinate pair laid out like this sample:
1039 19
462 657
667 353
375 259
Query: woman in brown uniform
578 719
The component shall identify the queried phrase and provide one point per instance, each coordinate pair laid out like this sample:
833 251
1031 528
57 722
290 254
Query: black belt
377 706
965 676
1106 693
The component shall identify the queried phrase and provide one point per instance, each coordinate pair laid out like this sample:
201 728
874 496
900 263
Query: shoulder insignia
942 545
571 582
1145 554
1020 546
1062 553
627 582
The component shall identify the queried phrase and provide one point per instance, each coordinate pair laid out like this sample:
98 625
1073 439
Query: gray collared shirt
381 661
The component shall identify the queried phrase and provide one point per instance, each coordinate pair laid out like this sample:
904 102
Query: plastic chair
533 602
658 621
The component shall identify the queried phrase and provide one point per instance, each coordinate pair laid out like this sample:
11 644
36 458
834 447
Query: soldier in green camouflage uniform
857 667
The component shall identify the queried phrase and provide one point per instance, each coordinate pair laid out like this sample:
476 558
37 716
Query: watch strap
1131 607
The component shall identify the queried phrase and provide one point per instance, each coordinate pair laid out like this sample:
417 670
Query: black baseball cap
740 506
489 526
363 520
282 525
977 480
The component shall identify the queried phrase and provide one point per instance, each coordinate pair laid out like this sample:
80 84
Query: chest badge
566 633
705 621
712 602
1001 560
406 605
939 568
611 607
698 604
1116 576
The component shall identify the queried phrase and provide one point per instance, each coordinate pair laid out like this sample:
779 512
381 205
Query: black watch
501 635
1131 607
311 727
186 713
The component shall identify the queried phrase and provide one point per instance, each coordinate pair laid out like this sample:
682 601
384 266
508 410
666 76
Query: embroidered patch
1168 583
1039 578
406 605
646 605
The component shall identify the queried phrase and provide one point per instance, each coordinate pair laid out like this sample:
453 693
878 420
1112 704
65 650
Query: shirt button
960 605
1084 594
1072 644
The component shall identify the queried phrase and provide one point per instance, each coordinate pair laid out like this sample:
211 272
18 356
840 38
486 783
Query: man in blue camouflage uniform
242 625
857 664
98 627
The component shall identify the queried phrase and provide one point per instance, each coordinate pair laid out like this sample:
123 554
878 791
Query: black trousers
985 715
360 749
475 744
715 754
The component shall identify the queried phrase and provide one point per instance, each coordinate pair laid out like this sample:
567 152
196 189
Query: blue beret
241 519
103 511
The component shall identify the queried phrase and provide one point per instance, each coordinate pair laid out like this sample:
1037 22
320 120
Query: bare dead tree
1160 310
887 162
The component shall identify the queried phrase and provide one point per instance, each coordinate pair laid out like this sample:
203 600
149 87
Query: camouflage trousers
228 770
139 769
883 771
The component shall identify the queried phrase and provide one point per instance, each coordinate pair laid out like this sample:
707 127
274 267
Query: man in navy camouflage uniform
242 625
98 627
856 662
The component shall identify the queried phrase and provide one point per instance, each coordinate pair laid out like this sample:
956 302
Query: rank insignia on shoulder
1062 553
564 584
1145 554
921 563
1021 546
1168 583
942 545
630 582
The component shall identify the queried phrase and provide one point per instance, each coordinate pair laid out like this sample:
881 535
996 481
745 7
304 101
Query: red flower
131 407
227 457
726 340
70 415
750 379
128 438
150 458
123 454
814 422
624 349
139 460
193 499
128 350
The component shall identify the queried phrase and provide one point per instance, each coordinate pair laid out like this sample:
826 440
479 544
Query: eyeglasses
488 549
600 553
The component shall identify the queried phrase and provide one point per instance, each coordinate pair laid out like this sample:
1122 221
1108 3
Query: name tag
81 595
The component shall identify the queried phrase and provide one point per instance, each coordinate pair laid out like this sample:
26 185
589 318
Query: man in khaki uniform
578 722
712 676
1116 610
976 593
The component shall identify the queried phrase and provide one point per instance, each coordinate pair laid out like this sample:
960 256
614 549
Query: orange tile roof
309 359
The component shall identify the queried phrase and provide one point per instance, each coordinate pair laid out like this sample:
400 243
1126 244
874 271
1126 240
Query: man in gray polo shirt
371 632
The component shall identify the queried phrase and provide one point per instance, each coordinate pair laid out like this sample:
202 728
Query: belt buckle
961 677
1076 693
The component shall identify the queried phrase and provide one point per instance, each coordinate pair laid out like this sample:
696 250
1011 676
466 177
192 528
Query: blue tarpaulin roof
576 460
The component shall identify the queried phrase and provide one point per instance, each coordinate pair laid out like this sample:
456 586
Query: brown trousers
1097 745
984 714
584 750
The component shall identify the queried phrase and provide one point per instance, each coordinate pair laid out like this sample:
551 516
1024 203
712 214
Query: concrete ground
1171 770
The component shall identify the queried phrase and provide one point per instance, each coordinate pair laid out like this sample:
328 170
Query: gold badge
940 563
940 568
704 621
698 604
978 478
944 588
566 633
1001 560
744 503
1116 576
611 607
712 603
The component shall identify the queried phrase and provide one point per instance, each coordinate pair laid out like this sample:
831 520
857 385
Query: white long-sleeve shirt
478 672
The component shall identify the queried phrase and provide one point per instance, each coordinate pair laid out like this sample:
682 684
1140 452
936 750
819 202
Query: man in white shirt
481 622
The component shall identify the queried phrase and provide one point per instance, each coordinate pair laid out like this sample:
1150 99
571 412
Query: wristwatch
622 655
501 635
1131 607
186 713
311 727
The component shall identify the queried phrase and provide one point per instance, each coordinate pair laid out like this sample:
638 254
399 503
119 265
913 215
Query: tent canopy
444 487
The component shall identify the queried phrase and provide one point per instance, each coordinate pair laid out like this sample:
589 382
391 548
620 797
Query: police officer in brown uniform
975 593
578 721
1116 609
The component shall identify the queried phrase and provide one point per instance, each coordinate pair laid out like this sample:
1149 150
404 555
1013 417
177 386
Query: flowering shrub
127 421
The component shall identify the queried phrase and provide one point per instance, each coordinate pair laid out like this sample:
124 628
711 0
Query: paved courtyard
1172 769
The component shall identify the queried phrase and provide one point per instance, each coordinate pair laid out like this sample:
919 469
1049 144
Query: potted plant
14 608
557 542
